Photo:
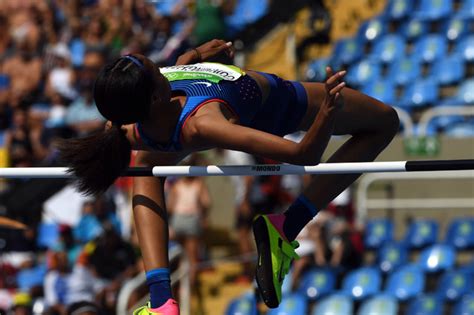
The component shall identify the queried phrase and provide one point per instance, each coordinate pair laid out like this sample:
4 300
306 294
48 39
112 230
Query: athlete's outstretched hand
334 85
214 48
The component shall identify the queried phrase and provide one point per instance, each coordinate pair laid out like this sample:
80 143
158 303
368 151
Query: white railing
363 203
434 112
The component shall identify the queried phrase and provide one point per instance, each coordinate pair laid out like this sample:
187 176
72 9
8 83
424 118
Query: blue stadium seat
421 93
465 47
438 257
165 7
377 232
398 9
383 90
371 30
455 28
433 9
363 72
406 282
391 256
448 70
380 304
246 12
32 277
421 233
430 48
453 285
243 305
362 283
465 306
467 9
317 283
440 123
460 233
425 304
48 235
404 70
413 29
464 95
468 268
388 49
339 304
346 51
316 71
291 304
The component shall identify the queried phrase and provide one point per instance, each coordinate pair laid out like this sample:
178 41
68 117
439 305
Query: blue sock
297 216
159 283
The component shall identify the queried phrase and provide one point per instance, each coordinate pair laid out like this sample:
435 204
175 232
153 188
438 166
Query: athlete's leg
371 124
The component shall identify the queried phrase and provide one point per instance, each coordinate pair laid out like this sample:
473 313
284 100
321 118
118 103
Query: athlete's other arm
206 51
211 129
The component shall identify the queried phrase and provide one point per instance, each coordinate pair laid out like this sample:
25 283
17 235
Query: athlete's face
162 91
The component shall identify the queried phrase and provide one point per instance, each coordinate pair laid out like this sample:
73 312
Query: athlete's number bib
213 72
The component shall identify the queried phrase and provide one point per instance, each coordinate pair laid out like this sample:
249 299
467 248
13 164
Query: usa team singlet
207 82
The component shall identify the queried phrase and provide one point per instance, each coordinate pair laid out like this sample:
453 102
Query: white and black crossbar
258 170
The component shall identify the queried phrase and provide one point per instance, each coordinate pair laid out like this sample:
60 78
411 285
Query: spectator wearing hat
22 304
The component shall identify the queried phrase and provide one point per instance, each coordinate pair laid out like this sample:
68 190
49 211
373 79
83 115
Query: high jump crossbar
257 170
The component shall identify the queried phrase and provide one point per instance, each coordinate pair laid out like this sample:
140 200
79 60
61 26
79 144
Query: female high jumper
167 113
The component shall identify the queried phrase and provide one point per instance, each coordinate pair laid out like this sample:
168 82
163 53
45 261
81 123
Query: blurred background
390 244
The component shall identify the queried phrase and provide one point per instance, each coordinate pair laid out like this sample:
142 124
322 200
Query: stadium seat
453 285
448 70
433 9
406 282
377 232
468 268
363 72
404 70
438 257
32 277
336 304
362 283
465 306
245 12
380 304
383 90
291 304
346 51
388 49
317 283
440 123
460 233
464 95
465 48
461 130
165 7
413 29
243 305
391 256
371 30
430 48
455 28
421 93
316 71
425 304
467 9
48 235
398 9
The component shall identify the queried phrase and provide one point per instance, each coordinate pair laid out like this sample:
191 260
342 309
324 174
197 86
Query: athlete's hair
123 93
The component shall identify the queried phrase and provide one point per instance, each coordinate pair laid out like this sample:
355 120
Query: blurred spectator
61 78
64 285
22 304
82 115
95 214
18 141
188 203
83 308
210 19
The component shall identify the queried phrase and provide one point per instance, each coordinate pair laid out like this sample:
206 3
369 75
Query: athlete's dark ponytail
122 92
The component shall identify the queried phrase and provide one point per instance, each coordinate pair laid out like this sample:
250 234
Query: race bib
213 72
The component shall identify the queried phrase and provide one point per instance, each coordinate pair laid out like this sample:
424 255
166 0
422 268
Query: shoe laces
288 255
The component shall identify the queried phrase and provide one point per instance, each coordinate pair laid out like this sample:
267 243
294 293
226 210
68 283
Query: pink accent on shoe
277 220
171 307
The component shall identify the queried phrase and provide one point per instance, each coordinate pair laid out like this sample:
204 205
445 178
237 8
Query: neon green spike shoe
169 308
275 255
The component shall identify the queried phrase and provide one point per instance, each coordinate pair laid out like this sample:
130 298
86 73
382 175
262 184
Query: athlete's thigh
360 112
